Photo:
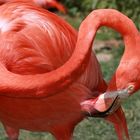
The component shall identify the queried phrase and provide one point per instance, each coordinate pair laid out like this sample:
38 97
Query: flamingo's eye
130 88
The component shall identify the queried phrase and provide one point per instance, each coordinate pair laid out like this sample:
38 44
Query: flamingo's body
47 72
34 41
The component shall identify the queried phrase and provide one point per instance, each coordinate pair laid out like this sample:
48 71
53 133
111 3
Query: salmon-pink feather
36 49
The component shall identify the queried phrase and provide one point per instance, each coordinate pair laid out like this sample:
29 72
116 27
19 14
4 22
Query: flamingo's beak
105 104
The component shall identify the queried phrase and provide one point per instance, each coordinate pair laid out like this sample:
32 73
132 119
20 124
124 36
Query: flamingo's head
124 83
127 75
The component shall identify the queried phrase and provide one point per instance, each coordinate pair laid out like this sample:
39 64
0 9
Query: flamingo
43 3
48 71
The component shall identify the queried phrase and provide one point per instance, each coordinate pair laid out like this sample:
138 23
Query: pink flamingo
49 73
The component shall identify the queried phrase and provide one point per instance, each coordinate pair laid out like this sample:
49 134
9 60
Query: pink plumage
48 70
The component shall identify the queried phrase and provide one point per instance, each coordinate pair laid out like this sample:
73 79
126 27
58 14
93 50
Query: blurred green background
109 46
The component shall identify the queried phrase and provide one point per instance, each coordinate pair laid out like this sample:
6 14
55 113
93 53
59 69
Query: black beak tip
96 113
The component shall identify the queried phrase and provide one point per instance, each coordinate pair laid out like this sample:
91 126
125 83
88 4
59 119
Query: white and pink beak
105 104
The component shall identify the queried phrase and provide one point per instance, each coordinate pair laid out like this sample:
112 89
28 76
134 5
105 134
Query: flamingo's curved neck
105 17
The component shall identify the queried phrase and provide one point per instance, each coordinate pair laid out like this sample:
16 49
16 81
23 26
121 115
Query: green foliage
128 7
109 68
78 7
131 8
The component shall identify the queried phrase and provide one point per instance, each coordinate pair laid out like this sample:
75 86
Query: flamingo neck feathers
110 18
87 31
